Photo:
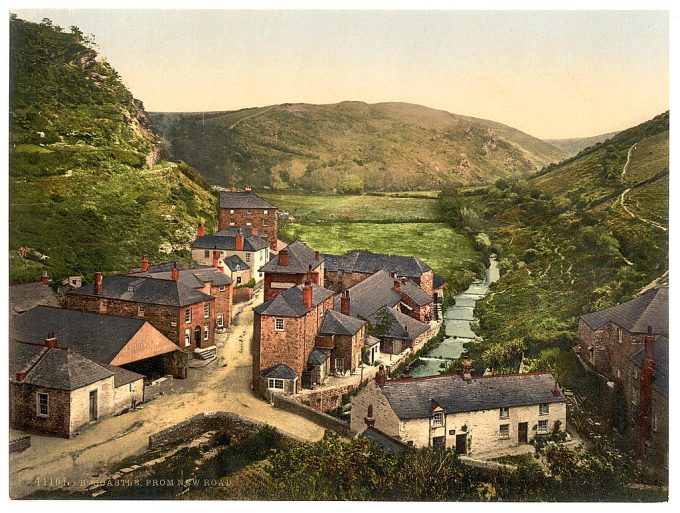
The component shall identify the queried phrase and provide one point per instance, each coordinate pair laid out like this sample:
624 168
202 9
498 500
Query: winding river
457 319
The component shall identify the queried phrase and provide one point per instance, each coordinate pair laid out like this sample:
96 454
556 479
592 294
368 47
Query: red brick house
184 315
608 338
245 209
293 265
284 336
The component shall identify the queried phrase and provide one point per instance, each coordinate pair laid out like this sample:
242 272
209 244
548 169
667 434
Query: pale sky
550 74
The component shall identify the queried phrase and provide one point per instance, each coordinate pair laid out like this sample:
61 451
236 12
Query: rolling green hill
349 146
86 190
582 235
576 144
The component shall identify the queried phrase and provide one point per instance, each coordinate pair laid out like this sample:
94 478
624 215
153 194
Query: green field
311 208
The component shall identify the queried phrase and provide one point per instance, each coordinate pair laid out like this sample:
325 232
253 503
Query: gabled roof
368 263
25 296
335 323
647 309
144 290
412 398
413 291
97 337
235 263
660 381
438 281
280 371
243 200
318 356
371 341
401 326
289 303
300 257
63 369
251 243
370 295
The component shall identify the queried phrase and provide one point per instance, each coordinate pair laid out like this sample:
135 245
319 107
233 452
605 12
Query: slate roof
228 242
318 356
647 309
144 290
413 291
64 369
335 323
371 341
123 376
25 296
234 261
95 336
195 278
398 324
289 302
412 398
300 257
438 281
368 263
281 371
660 382
243 200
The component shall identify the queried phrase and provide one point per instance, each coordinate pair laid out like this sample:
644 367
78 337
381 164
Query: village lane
222 385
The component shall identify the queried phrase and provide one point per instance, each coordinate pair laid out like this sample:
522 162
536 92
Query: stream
457 319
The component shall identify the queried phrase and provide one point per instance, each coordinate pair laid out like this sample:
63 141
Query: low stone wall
20 444
298 408
158 387
242 295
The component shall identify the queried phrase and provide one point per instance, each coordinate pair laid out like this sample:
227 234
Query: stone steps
206 353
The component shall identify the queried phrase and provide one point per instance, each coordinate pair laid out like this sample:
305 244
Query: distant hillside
574 145
86 191
349 146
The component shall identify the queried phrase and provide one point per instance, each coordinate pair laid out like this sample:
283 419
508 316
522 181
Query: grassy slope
390 146
564 247
81 190
575 144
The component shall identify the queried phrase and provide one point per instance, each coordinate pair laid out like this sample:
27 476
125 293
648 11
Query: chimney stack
233 189
45 278
215 259
201 230
368 419
145 264
239 240
175 272
557 391
98 283
344 302
644 427
317 255
397 285
253 232
51 340
307 294
380 377
283 257
467 370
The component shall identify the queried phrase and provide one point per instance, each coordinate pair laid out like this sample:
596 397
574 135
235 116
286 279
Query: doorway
461 444
523 432
197 336
93 405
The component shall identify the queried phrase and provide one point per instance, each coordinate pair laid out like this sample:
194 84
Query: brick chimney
239 240
344 302
380 377
307 294
201 230
254 232
175 272
145 264
397 285
644 427
368 419
45 278
283 258
215 258
317 255
557 391
51 340
467 370
97 283
233 189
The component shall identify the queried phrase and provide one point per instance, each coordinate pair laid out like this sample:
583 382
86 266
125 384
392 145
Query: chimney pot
368 419
45 278
215 258
239 240
145 264
345 303
317 255
201 230
307 294
397 285
283 258
98 283
175 272
557 391
51 340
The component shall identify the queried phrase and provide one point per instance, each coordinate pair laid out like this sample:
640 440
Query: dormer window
438 419
504 413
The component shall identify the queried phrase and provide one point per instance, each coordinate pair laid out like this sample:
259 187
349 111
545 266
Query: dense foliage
86 193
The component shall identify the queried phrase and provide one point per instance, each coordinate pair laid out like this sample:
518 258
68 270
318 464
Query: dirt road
223 385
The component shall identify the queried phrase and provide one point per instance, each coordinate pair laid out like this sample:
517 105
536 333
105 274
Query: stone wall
324 420
80 403
24 412
126 395
19 444
265 223
242 295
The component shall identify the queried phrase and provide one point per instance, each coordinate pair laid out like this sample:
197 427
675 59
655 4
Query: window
438 419
275 383
504 431
265 212
140 310
620 336
206 310
249 222
247 257
132 386
544 409
410 443
232 222
504 413
542 426
220 320
187 315
265 222
103 305
223 288
636 373
238 278
187 338
43 405
249 212
231 210
278 324
206 332
206 253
